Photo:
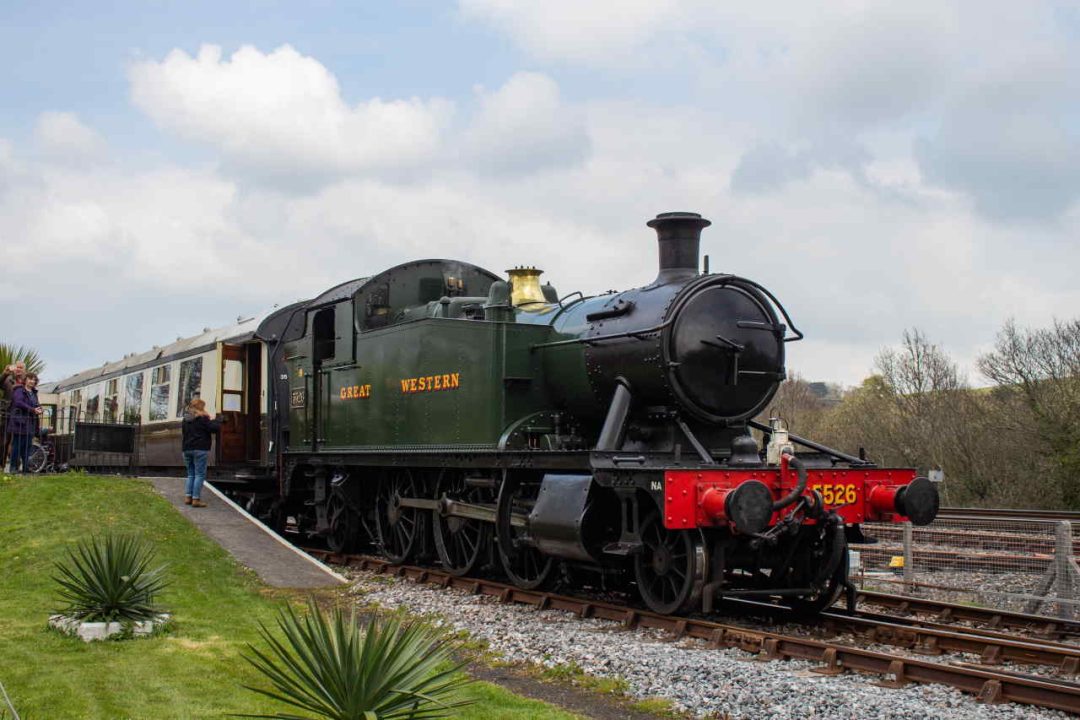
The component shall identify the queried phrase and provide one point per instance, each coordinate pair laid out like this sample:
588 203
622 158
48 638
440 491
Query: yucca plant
10 354
110 579
338 667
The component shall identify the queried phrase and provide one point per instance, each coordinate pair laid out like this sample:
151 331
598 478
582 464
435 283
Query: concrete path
253 544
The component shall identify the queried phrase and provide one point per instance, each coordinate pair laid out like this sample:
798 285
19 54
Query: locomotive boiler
442 413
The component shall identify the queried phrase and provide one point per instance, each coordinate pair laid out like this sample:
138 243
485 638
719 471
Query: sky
169 166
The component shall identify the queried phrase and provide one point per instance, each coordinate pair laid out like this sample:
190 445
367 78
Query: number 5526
837 494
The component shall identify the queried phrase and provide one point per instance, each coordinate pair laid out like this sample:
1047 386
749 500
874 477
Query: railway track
1007 513
989 684
984 619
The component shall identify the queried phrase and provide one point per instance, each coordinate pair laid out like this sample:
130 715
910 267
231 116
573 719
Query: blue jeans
196 471
20 452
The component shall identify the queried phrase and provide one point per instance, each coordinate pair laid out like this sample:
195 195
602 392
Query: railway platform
275 561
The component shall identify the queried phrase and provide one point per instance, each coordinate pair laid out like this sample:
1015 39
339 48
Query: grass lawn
195 670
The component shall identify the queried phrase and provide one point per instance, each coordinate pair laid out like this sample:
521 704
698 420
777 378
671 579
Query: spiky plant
341 668
10 354
109 578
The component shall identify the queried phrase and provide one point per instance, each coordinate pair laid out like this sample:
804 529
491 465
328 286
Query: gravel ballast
697 679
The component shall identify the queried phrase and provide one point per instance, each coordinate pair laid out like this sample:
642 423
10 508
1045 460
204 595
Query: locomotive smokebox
679 235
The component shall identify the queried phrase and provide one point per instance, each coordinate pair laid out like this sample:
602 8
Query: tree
10 354
1039 370
796 404
918 411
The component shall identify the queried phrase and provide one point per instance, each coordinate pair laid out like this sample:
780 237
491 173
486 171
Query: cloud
858 160
281 114
524 126
984 92
62 137
1011 149
574 30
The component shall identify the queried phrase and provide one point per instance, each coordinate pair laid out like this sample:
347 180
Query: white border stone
91 631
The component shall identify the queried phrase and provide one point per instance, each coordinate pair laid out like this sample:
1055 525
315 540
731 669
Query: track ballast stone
697 679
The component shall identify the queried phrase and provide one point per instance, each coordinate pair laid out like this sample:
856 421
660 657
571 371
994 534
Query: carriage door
232 446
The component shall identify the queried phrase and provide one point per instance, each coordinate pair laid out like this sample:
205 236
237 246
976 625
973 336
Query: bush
342 669
109 579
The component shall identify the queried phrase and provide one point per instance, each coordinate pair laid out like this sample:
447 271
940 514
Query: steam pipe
611 435
813 445
800 486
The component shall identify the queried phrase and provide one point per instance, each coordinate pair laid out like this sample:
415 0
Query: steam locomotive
442 413
439 409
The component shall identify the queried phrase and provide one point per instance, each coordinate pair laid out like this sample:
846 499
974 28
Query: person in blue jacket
22 422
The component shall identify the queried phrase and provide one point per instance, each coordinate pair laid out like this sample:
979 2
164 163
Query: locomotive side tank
439 411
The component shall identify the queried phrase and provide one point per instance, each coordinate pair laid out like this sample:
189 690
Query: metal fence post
1065 570
909 570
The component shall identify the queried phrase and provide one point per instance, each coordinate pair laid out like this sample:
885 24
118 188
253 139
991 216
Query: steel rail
987 685
946 612
1011 513
927 638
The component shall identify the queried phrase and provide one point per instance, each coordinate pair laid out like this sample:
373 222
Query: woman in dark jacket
22 422
198 430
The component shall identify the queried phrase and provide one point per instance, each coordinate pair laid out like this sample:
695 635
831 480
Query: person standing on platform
22 422
13 376
198 433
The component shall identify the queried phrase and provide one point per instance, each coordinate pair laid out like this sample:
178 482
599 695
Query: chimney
679 234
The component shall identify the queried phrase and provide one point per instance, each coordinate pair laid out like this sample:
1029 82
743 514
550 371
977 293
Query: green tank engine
442 413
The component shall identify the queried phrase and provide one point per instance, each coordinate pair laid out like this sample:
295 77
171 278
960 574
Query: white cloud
986 90
850 130
595 32
524 126
282 113
62 137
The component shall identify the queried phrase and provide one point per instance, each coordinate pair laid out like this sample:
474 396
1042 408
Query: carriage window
159 393
232 386
133 394
190 382
112 400
233 376
93 403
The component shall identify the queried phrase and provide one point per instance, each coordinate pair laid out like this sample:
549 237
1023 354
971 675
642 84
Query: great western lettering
430 383
355 392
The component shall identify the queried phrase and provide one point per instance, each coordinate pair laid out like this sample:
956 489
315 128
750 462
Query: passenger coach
98 411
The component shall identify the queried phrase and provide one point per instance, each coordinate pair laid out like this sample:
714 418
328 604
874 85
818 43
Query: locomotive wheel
831 581
670 569
344 524
462 543
524 565
400 528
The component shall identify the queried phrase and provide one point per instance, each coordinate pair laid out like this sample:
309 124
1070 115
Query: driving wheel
461 543
400 528
344 524
670 569
524 565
